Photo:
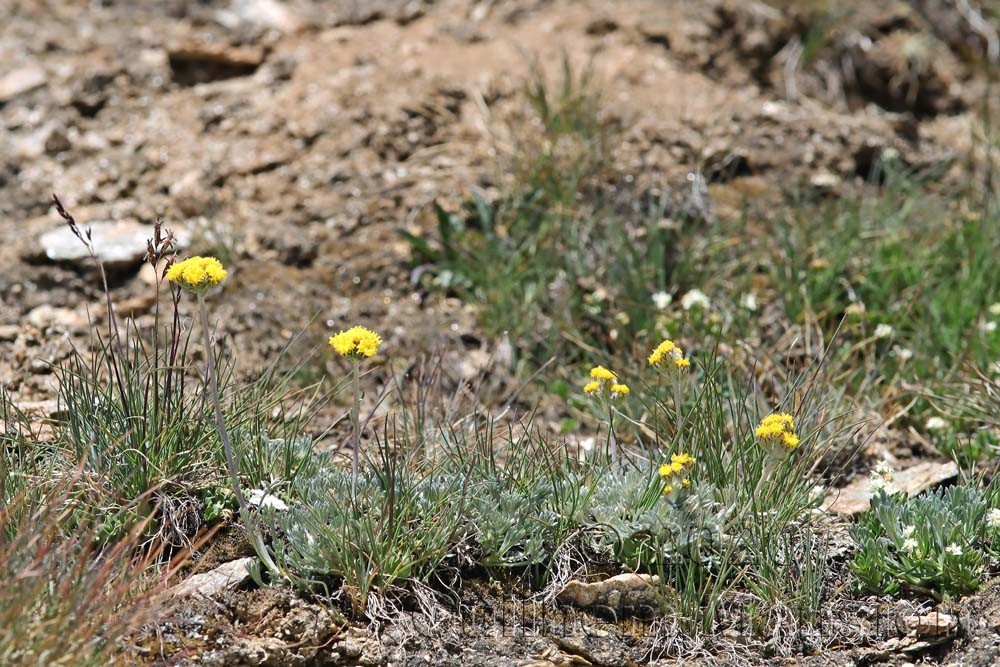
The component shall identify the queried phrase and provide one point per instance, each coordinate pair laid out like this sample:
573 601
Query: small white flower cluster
661 300
953 549
749 301
262 498
901 353
883 478
884 331
993 518
990 326
695 298
936 424
909 543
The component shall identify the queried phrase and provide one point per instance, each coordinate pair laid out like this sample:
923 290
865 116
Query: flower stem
677 410
356 427
612 441
248 519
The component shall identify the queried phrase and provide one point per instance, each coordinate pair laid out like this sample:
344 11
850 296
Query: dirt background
295 139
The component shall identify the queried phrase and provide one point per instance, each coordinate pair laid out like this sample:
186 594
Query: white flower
884 331
883 478
988 327
936 424
953 549
993 518
995 308
909 545
261 498
749 301
901 353
908 531
694 298
662 299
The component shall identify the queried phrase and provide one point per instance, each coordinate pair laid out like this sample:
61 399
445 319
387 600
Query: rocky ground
295 139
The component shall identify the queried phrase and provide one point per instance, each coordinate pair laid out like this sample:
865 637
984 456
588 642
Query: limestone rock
47 316
21 80
227 575
931 625
619 591
119 245
855 498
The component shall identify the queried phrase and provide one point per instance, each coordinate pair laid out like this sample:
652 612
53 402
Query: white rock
118 244
227 575
618 591
932 624
47 316
264 13
20 81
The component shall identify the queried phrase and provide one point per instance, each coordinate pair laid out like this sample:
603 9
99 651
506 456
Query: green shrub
935 544
401 529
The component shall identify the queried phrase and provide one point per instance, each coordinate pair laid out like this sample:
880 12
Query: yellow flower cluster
197 274
674 474
618 389
778 429
357 342
603 374
603 380
669 356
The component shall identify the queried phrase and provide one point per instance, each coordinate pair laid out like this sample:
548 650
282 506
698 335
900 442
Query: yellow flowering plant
605 382
356 344
777 433
198 275
668 358
675 474
605 385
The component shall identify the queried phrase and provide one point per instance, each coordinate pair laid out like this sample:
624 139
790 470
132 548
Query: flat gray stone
213 582
20 81
47 316
118 244
856 497
616 592
264 13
